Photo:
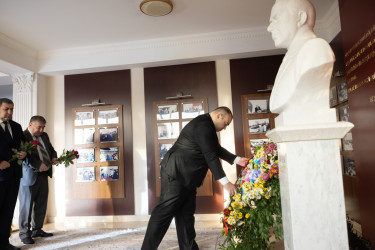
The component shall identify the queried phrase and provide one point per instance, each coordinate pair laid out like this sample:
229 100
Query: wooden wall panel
197 79
358 38
111 88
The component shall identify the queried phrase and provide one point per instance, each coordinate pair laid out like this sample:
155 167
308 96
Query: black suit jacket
6 145
196 150
34 159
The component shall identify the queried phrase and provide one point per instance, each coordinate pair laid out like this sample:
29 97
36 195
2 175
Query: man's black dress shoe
27 240
41 233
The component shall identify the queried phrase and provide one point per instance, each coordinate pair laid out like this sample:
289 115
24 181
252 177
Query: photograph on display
108 116
164 147
108 134
109 154
344 113
257 106
86 155
109 173
85 174
349 167
192 110
333 101
84 136
342 92
259 126
168 130
257 142
167 112
84 118
347 142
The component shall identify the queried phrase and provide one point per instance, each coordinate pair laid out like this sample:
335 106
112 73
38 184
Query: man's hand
21 155
54 161
231 189
43 167
242 162
4 165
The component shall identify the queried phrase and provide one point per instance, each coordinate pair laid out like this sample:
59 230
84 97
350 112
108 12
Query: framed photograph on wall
167 112
109 116
84 118
333 101
109 173
170 130
342 92
163 148
349 167
259 126
344 113
109 154
257 106
192 110
86 155
347 142
84 136
85 174
108 134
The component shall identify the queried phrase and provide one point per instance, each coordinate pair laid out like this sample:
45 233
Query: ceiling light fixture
156 7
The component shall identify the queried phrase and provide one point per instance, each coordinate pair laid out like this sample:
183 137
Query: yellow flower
247 216
240 215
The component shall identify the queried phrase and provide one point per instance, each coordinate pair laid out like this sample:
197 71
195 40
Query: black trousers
8 199
176 202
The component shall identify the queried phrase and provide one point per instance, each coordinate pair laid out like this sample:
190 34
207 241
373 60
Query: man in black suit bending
10 173
183 169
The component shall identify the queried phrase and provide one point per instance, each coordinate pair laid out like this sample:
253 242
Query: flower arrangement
255 209
25 146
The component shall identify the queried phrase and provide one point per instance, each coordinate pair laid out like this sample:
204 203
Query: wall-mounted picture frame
109 173
256 106
170 130
349 166
163 148
84 118
84 135
167 112
347 142
344 113
86 155
257 142
85 174
108 134
109 154
109 116
342 92
259 126
333 101
192 110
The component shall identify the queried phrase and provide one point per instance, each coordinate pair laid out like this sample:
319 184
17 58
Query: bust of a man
302 82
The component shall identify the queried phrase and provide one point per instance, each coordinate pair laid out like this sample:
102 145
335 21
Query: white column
24 98
139 142
312 194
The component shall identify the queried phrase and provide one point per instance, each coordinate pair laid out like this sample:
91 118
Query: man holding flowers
10 172
34 184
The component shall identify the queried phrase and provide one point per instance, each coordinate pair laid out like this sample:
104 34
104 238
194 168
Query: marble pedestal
311 184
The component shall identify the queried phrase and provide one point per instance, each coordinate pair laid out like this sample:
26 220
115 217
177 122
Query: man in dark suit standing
10 173
183 169
34 185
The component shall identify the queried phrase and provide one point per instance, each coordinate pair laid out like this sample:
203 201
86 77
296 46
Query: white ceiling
42 29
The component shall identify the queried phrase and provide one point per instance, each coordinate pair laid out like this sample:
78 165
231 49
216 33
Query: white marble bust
302 82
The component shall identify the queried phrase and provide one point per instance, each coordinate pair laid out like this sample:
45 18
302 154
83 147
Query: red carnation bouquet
26 146
67 157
